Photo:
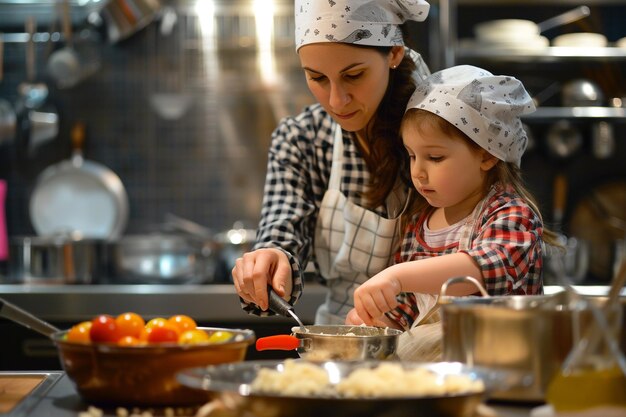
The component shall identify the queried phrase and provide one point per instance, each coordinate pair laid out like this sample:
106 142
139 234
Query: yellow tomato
220 336
155 322
193 337
182 322
80 332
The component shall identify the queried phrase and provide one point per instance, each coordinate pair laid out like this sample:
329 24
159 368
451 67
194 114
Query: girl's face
348 81
445 169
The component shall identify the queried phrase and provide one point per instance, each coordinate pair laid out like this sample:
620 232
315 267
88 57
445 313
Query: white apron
351 243
423 341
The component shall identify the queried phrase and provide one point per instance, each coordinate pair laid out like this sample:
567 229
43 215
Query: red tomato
130 324
182 323
104 329
165 333
79 332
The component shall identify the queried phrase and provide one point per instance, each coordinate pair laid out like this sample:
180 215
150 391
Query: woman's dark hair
387 158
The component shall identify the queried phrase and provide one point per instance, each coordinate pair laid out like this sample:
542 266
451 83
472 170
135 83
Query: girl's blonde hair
505 173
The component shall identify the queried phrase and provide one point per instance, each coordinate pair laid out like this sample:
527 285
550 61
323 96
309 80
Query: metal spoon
16 314
279 306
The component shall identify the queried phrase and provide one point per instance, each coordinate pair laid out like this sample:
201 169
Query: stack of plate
510 34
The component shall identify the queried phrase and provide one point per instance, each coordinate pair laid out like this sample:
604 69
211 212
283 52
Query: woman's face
348 81
445 169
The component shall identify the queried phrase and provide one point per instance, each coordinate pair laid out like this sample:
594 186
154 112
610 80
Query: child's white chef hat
485 107
363 22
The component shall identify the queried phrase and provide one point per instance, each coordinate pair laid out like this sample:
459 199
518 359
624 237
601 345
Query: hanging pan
78 197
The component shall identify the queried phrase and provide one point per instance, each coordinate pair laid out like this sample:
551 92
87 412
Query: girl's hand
255 270
353 319
376 296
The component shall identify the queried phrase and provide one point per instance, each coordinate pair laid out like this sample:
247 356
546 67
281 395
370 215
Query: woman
334 188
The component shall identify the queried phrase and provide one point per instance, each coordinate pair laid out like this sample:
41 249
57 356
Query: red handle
278 342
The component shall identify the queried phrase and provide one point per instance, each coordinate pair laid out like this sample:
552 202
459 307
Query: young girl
471 215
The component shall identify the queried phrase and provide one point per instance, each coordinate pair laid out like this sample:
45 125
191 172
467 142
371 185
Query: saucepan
109 374
79 196
330 342
233 384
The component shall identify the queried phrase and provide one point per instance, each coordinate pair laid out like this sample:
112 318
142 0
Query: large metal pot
161 258
54 260
526 333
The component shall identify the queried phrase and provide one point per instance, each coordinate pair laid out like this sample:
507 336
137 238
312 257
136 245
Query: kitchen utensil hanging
7 113
168 97
37 118
73 63
78 196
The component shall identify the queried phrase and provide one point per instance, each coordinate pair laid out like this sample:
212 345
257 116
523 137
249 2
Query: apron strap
336 168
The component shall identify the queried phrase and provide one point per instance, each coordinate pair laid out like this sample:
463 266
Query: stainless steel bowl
161 259
336 342
233 382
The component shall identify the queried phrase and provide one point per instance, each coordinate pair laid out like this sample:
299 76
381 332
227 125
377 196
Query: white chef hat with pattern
485 107
362 22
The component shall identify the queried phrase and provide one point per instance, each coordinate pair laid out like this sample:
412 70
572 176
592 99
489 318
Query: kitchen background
182 109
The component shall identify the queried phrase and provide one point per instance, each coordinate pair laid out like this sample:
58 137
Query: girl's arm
378 294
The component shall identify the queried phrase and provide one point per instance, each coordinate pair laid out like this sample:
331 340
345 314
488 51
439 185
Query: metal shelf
577 112
549 54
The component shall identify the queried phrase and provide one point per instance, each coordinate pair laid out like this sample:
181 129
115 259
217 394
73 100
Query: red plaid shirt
506 245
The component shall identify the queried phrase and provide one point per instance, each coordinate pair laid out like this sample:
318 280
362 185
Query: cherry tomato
130 341
143 335
157 321
104 329
220 336
165 333
80 332
182 322
193 337
130 324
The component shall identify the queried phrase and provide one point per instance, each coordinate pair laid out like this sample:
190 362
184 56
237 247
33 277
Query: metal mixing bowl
232 383
108 374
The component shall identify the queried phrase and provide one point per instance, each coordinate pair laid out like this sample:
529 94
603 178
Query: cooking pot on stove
55 260
161 258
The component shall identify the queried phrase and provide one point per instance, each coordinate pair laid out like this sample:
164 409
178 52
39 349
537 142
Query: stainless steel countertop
57 397
205 303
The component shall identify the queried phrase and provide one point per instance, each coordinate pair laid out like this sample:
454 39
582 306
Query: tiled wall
208 165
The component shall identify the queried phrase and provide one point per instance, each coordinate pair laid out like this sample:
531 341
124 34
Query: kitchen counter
205 303
56 397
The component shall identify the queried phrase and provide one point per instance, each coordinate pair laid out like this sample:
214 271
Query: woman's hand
376 296
255 270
